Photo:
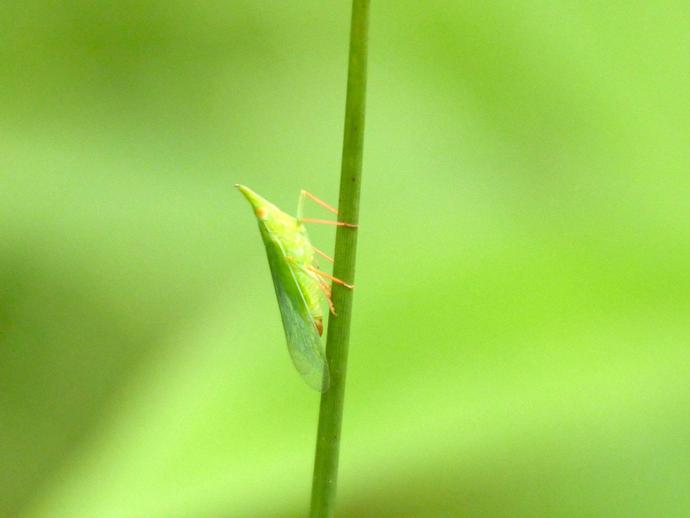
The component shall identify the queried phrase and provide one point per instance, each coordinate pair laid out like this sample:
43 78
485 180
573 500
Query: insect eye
261 212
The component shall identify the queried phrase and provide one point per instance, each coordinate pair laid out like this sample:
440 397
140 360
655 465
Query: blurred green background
520 339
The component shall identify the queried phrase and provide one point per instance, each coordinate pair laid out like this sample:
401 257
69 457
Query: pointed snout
243 189
252 197
262 207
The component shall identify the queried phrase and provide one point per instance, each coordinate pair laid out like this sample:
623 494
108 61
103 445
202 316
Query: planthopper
300 285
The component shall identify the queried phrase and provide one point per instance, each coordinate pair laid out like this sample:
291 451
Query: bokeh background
520 339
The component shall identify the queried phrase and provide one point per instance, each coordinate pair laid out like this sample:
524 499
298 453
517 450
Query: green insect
299 283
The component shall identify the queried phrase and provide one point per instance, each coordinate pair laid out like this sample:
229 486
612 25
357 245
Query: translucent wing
303 340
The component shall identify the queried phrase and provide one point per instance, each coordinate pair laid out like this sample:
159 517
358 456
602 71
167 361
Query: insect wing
303 340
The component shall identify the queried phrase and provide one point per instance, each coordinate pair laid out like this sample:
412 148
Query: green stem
331 410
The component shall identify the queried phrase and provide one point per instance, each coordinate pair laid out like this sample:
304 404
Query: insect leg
322 254
313 198
327 276
328 222
300 204
327 292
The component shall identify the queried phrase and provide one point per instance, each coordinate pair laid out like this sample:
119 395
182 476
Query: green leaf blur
521 316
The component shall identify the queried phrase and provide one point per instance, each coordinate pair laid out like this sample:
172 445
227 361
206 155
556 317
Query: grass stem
331 410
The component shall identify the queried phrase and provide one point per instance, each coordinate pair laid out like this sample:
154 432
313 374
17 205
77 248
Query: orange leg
327 276
300 203
317 200
322 254
327 292
326 286
328 222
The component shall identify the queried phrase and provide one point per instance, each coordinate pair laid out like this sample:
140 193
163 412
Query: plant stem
331 411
